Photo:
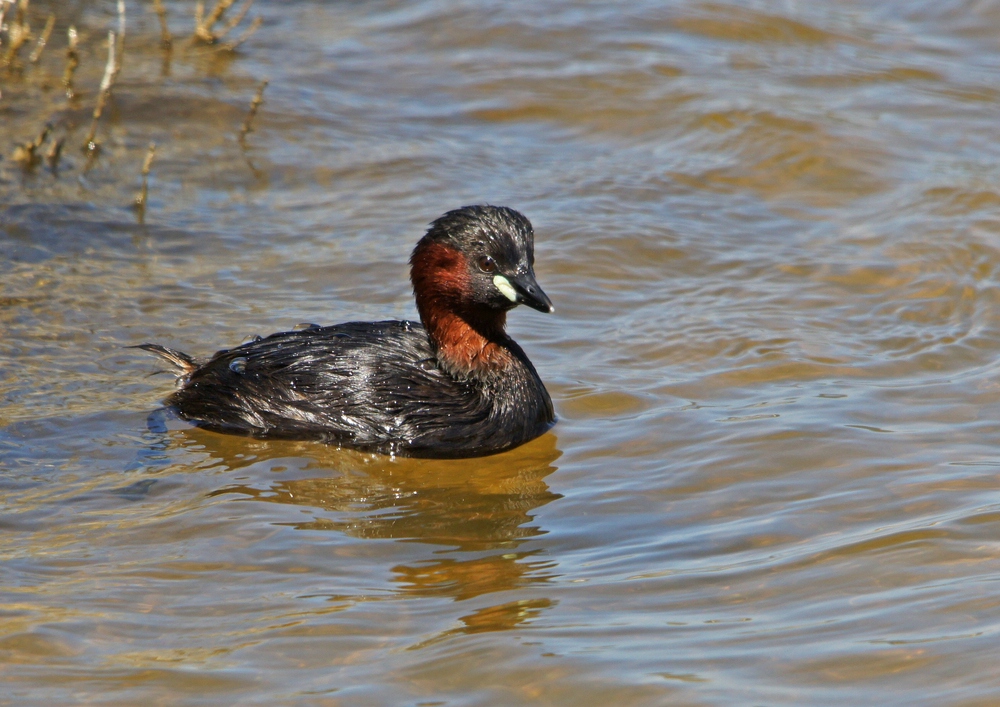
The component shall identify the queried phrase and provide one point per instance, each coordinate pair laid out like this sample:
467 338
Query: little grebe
457 386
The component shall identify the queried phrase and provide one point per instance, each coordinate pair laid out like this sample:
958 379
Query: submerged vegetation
85 89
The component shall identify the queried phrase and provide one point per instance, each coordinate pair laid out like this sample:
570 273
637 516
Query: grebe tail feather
184 364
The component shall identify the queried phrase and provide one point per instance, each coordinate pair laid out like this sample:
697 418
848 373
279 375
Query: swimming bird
453 385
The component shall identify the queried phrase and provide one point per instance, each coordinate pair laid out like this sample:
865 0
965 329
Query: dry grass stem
18 34
110 72
165 39
258 99
121 30
140 198
237 18
43 40
148 162
27 154
72 60
254 26
55 152
205 31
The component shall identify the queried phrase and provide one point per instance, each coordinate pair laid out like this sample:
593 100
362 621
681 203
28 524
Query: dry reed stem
110 72
18 33
237 18
165 39
258 99
3 11
148 162
204 32
72 61
140 199
27 154
42 40
121 31
55 152
254 26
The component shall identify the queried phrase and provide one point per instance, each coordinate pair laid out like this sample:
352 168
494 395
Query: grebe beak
529 293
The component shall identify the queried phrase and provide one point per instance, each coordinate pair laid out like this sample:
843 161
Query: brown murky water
772 234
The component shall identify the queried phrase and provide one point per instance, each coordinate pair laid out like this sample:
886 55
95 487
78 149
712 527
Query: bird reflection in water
478 511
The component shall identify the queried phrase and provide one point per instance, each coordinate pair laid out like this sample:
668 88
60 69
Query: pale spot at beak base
507 289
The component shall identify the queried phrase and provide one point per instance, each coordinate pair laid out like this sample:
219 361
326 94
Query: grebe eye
487 264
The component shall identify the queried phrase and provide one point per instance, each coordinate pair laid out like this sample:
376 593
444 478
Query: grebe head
477 261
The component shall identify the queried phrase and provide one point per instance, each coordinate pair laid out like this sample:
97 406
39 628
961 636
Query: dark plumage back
368 385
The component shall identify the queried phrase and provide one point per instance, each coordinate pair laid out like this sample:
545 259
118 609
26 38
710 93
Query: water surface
771 234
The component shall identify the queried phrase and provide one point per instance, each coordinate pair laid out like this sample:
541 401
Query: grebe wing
363 384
